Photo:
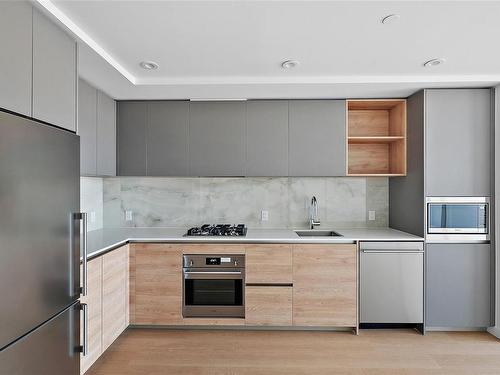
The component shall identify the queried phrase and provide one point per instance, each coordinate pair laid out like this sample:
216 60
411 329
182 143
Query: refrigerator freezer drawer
51 349
392 286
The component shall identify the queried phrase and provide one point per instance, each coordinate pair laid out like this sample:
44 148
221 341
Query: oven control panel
204 261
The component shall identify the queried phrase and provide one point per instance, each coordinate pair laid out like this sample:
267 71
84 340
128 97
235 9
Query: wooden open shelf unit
376 137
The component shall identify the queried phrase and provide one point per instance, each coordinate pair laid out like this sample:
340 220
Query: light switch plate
92 216
371 215
264 215
128 215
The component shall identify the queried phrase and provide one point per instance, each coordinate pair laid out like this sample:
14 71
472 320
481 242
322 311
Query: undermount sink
317 233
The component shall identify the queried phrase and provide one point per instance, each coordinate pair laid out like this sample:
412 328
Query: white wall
91 200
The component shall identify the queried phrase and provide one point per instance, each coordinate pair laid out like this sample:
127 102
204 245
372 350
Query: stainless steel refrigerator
39 248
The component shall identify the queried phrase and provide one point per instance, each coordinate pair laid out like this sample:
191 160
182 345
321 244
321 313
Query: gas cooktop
218 230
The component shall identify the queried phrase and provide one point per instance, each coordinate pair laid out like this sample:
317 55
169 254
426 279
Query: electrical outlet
92 216
129 215
371 215
264 215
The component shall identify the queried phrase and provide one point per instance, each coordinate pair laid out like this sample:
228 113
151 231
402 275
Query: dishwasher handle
396 246
392 251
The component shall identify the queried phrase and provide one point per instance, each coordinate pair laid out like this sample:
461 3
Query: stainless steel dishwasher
392 284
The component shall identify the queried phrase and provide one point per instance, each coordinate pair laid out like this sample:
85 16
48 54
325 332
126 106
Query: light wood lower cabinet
156 284
114 295
107 301
268 306
94 302
300 285
325 285
268 264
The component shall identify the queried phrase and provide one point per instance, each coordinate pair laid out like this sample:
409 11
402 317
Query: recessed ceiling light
391 18
289 64
434 62
149 65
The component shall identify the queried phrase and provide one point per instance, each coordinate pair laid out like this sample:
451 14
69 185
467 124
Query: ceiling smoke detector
434 62
289 64
149 65
391 18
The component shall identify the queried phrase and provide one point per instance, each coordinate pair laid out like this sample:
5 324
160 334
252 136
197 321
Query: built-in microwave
458 219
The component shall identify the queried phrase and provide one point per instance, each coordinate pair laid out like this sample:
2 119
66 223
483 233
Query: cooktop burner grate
228 230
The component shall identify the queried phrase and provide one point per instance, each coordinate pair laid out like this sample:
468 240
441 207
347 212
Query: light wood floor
378 352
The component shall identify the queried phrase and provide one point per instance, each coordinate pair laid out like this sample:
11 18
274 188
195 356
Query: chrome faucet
313 213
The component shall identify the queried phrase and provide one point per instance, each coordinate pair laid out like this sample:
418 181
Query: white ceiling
233 49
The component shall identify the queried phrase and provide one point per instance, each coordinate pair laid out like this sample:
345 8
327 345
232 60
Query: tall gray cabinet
38 66
54 73
16 56
458 136
450 135
459 285
87 128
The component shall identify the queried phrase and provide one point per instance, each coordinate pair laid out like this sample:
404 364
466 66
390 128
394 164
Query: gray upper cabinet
16 56
217 138
253 138
54 73
167 138
87 128
267 138
131 135
106 135
458 142
317 138
97 131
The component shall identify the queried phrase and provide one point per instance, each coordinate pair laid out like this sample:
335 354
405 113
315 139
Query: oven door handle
213 274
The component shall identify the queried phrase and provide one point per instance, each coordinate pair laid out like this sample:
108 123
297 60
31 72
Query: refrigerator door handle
83 217
84 349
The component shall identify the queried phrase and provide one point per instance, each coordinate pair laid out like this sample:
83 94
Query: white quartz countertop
100 241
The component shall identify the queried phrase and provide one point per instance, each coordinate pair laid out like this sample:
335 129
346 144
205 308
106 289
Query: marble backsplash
183 202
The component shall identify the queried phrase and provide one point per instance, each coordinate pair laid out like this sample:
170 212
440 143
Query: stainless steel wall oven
214 286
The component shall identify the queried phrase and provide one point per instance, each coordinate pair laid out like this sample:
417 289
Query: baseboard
242 327
495 331
456 329
418 326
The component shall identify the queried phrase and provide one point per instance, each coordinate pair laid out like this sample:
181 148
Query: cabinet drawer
268 305
269 264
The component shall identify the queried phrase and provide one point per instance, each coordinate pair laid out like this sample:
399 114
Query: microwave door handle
444 218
